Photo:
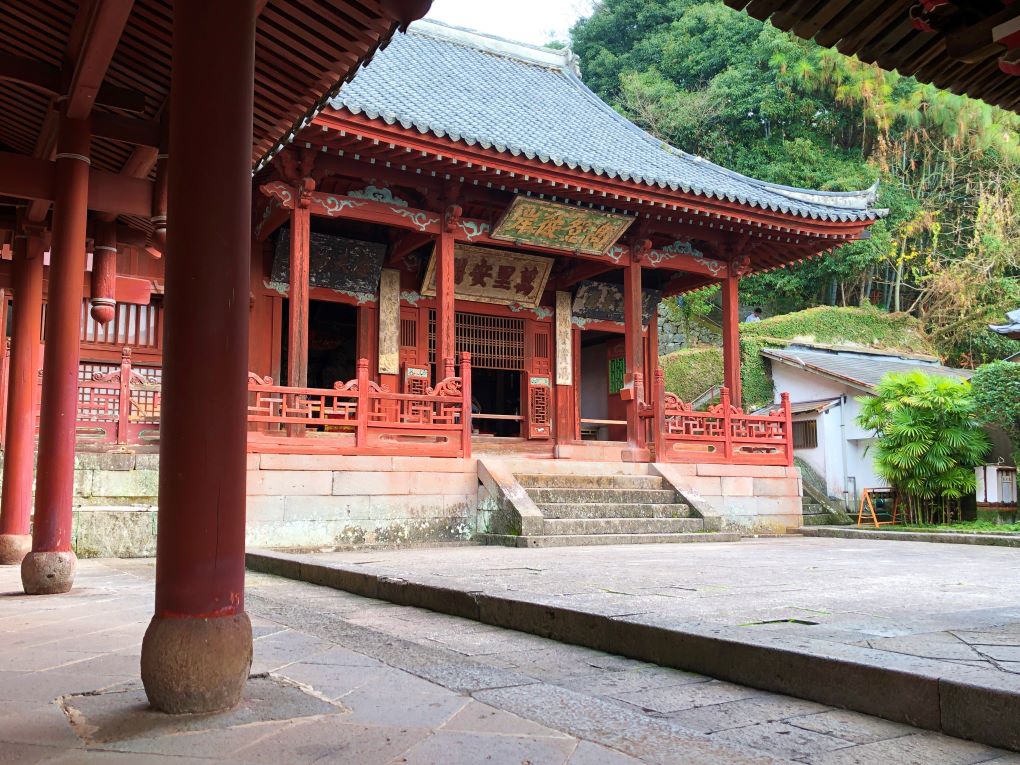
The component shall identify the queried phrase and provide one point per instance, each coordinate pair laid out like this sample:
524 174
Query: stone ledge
938 537
960 701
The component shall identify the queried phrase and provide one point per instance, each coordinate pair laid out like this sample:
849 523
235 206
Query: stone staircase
607 510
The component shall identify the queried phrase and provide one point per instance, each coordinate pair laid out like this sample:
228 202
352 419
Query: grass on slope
692 371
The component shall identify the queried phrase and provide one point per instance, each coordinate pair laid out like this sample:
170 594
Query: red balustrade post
465 385
787 427
364 405
51 565
22 399
659 404
197 651
727 414
124 397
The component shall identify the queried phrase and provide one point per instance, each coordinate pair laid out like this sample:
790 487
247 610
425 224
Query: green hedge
692 371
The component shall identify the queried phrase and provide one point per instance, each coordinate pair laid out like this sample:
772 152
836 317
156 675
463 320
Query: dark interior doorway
496 392
332 343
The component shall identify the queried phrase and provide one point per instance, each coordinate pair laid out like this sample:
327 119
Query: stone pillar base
194 665
14 548
48 572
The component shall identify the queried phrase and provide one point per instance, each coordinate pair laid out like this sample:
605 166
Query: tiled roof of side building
522 99
858 367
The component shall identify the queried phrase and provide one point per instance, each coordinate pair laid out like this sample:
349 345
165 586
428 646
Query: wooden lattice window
805 434
408 333
494 342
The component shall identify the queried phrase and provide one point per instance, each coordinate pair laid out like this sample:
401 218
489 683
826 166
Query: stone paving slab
837 621
403 690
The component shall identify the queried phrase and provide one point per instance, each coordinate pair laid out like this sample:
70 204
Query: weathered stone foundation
14 548
195 665
48 573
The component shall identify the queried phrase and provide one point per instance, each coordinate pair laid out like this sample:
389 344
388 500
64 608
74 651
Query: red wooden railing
722 433
118 407
362 417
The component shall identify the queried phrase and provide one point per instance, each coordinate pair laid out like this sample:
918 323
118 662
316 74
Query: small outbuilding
825 385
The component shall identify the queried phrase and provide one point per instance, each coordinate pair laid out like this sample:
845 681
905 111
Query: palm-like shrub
929 441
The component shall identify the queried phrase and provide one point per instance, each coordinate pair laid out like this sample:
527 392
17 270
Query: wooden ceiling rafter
956 53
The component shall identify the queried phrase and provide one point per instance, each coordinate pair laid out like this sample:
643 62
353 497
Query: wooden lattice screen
494 342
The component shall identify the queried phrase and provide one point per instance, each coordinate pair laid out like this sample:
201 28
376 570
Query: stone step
563 526
603 496
611 510
819 519
540 481
574 540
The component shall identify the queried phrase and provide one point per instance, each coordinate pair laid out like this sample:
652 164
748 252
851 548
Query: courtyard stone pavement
954 603
338 678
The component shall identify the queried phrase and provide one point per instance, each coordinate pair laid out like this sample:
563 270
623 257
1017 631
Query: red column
445 304
297 339
731 338
19 450
196 653
50 567
633 358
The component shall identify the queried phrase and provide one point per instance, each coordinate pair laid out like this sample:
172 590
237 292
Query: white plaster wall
860 470
815 457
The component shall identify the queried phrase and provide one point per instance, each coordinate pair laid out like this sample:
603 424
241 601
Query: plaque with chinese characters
548 224
493 276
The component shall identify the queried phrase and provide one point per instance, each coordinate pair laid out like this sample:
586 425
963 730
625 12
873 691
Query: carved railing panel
722 433
431 422
119 406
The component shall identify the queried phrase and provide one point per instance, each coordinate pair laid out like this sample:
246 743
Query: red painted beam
33 179
607 189
105 25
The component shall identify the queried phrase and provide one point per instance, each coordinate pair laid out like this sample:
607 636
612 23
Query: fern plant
929 441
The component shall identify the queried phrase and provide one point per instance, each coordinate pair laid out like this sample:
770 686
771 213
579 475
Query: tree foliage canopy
742 93
996 389
929 437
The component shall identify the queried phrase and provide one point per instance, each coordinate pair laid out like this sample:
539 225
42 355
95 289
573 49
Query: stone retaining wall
334 501
326 501
759 499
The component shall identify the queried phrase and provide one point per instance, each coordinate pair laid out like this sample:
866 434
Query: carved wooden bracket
452 218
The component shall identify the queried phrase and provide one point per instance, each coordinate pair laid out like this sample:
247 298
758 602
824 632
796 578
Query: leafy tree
718 83
929 440
996 389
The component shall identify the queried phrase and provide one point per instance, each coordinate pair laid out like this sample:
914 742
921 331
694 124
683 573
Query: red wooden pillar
731 338
445 304
634 361
50 567
197 651
297 339
22 383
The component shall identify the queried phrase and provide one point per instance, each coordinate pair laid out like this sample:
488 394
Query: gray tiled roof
860 368
1012 329
525 100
